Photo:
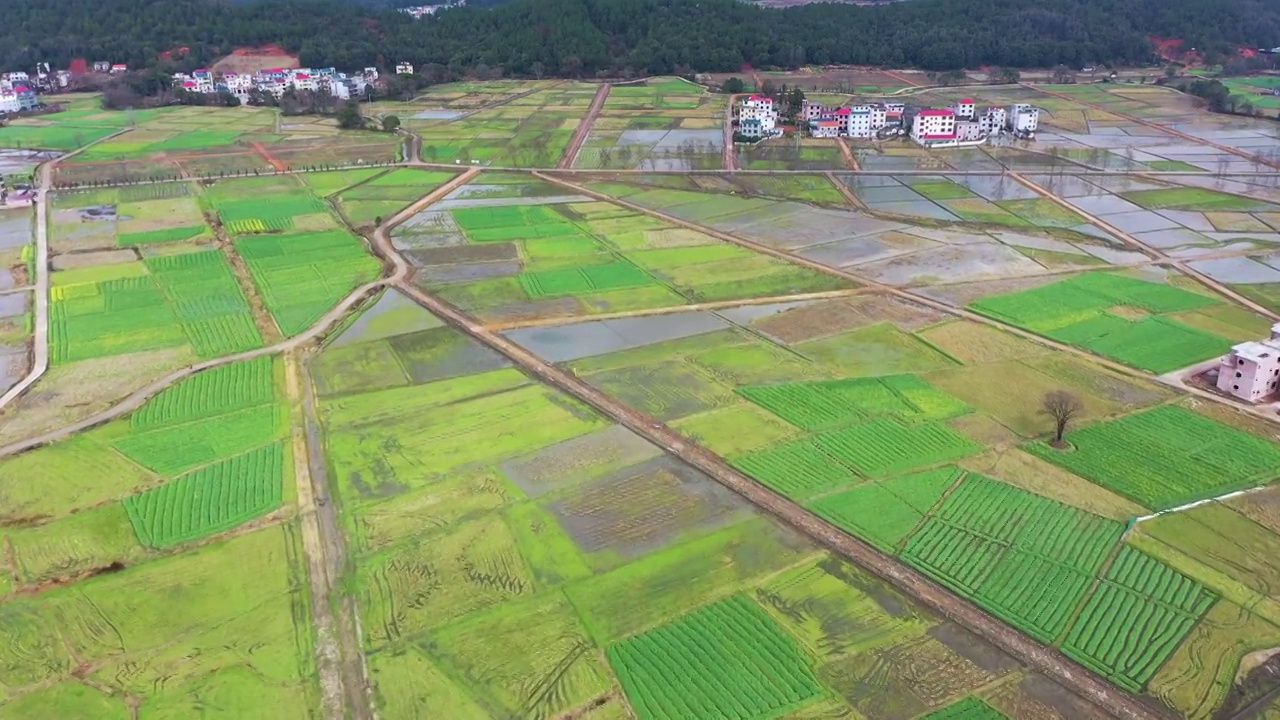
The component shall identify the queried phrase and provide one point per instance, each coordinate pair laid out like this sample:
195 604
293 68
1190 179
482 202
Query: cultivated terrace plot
533 257
387 194
656 124
82 123
189 299
126 217
153 540
1048 569
525 130
908 240
1167 456
301 276
518 554
1149 325
210 142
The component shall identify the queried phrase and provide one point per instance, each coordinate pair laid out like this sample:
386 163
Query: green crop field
1027 559
970 708
213 392
1167 456
1135 619
207 300
1195 199
214 498
826 404
728 660
302 275
886 512
1081 310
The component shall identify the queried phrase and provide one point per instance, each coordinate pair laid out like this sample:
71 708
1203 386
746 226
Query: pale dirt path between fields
1149 250
320 575
729 157
1034 654
1157 126
901 293
346 687
847 152
40 339
581 132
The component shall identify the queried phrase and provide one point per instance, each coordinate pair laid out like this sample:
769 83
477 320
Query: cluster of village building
19 91
417 12
276 81
956 126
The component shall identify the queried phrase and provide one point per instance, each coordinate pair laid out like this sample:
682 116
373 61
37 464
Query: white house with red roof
760 109
933 125
964 108
119 68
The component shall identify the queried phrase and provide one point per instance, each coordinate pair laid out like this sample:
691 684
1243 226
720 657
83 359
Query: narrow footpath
583 130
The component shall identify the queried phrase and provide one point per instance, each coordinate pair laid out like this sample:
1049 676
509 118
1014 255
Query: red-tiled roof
936 113
966 101
189 83
843 111
21 88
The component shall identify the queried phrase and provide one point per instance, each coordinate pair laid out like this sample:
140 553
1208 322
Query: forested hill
583 37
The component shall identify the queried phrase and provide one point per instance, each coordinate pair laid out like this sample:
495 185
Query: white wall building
1251 371
964 108
969 130
811 110
761 109
993 120
9 102
825 127
861 124
1024 118
751 129
933 125
404 68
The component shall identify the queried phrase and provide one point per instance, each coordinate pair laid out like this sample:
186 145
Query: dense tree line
621 37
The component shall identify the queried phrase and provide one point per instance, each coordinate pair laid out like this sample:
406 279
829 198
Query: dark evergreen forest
622 37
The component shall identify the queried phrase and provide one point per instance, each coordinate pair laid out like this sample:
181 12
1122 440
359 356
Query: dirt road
584 127
849 160
729 159
319 576
344 684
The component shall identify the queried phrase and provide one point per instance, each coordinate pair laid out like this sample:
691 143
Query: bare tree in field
1063 407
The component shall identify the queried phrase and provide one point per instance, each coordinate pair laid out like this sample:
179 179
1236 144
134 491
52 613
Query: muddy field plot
642 508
